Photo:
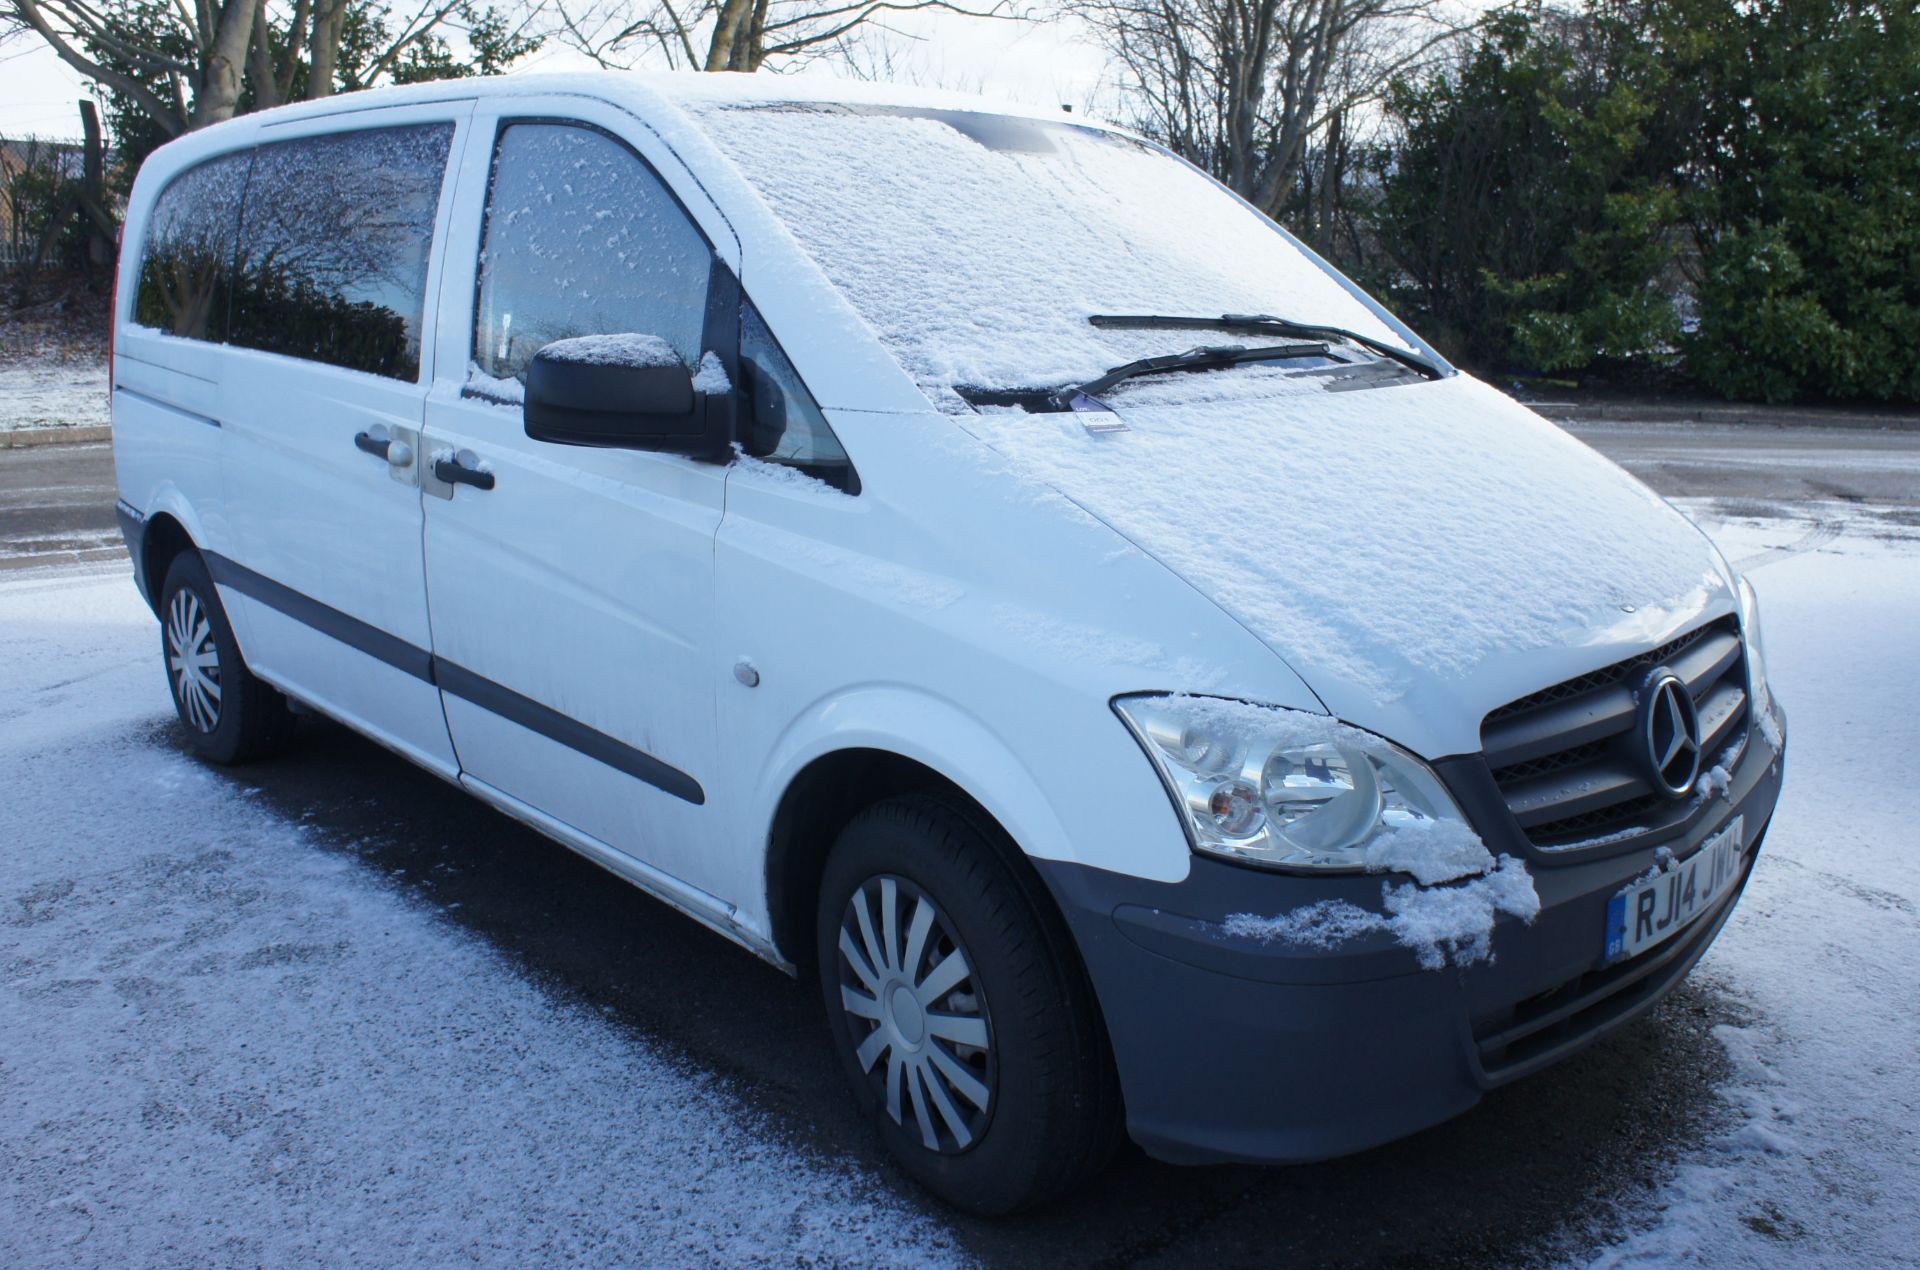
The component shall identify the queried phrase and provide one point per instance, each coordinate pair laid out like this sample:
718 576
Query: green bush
1809 205
1570 181
1529 203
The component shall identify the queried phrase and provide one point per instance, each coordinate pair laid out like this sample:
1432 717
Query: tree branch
172 123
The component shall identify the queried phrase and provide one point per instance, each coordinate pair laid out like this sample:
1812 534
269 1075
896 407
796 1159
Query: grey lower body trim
371 640
133 528
568 731
456 680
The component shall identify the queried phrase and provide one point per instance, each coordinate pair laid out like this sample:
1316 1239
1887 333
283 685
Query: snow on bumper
1231 1048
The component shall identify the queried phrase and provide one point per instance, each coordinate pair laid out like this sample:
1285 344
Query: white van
964 555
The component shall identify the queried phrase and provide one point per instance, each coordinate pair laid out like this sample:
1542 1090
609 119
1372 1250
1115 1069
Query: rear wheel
229 715
959 1011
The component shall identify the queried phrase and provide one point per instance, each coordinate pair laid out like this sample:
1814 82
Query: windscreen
977 245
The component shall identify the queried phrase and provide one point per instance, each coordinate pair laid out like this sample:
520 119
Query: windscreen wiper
1205 358
1265 324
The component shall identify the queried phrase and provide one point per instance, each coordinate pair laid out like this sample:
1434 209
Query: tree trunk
328 16
1330 164
266 91
220 78
101 229
750 47
727 32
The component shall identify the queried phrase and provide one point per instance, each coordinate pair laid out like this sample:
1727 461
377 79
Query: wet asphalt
1549 1166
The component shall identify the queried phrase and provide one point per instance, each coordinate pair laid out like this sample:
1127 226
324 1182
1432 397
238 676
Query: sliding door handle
463 469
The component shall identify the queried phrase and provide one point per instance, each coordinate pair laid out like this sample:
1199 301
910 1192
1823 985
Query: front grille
1549 763
1565 758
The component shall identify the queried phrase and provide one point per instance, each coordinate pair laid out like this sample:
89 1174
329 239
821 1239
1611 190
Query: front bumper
1230 1049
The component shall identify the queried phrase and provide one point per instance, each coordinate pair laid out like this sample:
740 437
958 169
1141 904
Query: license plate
1653 911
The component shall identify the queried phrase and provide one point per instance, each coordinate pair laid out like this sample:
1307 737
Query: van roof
645 91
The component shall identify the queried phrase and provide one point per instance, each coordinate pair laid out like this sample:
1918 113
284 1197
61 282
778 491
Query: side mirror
627 391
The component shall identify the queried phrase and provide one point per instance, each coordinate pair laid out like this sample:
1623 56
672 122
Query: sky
38 91
1051 63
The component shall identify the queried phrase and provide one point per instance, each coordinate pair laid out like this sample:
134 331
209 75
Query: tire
1013 1023
230 717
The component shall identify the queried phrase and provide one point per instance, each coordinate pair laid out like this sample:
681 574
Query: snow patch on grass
54 394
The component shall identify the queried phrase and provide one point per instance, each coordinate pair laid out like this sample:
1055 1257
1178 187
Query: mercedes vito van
966 556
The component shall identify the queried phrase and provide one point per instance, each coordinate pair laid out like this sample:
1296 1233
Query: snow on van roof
705 88
677 88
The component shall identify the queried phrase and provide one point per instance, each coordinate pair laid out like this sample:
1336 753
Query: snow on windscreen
977 245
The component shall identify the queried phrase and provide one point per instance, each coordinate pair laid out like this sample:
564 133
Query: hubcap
193 661
917 1021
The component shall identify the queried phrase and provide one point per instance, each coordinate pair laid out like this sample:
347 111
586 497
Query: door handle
463 469
395 451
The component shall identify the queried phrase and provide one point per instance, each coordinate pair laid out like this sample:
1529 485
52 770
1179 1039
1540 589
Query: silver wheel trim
193 661
917 1021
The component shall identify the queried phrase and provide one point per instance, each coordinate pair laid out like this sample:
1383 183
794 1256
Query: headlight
1761 695
1285 788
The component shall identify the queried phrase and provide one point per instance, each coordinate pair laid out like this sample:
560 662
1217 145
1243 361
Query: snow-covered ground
221 1043
53 393
1822 1165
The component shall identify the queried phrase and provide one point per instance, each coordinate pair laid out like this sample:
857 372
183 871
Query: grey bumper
1231 1049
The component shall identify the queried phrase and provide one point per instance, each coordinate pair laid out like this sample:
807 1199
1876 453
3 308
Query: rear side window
583 239
334 244
186 268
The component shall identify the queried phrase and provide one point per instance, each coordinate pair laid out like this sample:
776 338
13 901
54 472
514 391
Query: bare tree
737 35
1241 87
94 40
185 64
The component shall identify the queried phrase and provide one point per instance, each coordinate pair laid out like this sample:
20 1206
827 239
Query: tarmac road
1879 467
1539 1168
56 505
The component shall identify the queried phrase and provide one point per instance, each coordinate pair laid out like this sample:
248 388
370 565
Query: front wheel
959 1011
230 716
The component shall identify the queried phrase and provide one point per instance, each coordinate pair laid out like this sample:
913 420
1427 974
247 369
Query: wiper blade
1265 324
1205 358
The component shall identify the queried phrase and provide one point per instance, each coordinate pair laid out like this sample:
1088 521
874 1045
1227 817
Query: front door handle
463 469
376 442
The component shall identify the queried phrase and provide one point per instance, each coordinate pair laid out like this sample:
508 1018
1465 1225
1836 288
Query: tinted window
784 425
334 247
583 239
186 271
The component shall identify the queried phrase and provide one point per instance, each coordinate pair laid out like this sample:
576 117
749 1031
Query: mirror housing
623 391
